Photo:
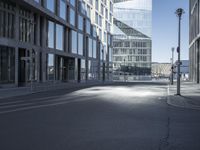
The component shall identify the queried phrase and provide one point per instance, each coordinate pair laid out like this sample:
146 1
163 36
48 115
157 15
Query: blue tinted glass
63 9
50 34
72 17
51 5
59 37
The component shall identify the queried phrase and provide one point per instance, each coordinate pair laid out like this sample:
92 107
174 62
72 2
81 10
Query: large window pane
94 49
73 2
73 41
80 22
83 70
63 9
51 36
59 37
90 47
80 44
88 27
51 5
7 65
72 17
50 67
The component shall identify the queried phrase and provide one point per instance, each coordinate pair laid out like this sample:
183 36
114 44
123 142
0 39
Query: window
7 20
88 26
100 21
94 49
88 11
50 67
89 47
63 9
7 65
37 1
80 44
105 37
80 22
51 36
25 26
51 5
59 37
73 2
72 17
102 9
83 70
96 18
73 41
97 4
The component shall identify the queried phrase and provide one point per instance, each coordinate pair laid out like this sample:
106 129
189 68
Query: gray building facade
194 41
50 41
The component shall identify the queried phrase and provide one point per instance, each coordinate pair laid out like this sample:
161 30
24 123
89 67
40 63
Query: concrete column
38 30
16 35
16 65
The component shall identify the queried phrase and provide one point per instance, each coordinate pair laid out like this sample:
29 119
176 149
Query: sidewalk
36 88
190 96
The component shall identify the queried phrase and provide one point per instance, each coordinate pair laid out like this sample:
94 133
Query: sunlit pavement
135 116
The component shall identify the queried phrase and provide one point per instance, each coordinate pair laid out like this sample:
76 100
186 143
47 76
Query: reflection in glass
80 44
50 67
80 22
94 49
63 9
51 5
72 17
73 41
51 34
89 47
59 37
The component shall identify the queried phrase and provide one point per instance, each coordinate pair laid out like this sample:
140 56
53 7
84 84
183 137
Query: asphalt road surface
132 116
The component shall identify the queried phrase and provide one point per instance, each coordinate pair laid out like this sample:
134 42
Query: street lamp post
179 13
124 71
172 67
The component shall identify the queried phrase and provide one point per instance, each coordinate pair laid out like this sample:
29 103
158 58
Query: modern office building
194 40
54 41
132 39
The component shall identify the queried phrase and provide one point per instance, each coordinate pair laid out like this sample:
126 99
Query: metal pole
179 13
178 65
172 70
124 71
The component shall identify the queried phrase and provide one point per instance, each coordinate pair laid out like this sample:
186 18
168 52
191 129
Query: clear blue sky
165 29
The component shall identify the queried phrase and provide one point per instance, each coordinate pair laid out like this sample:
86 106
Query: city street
132 116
